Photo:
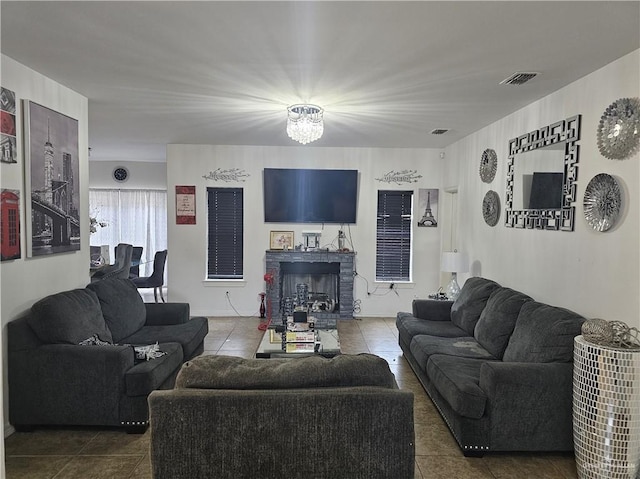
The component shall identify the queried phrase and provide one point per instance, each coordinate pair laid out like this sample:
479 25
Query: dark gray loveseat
53 380
302 418
498 366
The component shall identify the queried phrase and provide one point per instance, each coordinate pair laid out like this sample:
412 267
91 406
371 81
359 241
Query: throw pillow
122 306
543 334
227 372
466 310
68 318
498 319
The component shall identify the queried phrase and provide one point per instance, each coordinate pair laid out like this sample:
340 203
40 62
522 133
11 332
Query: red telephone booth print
9 224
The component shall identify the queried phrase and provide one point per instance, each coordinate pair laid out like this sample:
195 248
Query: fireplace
313 286
328 277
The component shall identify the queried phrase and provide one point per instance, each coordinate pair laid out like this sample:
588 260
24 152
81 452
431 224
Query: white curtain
137 217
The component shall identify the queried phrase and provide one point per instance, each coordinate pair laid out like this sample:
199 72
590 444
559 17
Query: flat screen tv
546 191
310 196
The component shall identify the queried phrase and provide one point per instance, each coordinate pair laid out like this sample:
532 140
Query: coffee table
328 345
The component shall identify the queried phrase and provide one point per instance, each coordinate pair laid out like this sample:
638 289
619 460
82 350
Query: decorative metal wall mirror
541 177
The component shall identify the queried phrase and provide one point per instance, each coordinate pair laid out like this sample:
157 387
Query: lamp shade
454 262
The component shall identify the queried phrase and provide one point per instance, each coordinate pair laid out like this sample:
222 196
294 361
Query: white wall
595 274
187 164
143 175
26 280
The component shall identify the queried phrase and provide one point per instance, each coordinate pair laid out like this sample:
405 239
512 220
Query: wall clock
488 165
120 174
619 129
491 208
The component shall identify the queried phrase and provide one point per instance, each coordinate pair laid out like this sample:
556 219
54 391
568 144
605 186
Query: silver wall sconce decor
619 129
491 208
488 165
602 202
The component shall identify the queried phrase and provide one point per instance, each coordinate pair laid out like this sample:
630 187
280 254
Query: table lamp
454 262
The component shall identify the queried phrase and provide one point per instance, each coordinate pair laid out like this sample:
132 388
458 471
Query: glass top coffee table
327 344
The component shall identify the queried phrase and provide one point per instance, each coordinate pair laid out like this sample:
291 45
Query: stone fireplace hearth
280 263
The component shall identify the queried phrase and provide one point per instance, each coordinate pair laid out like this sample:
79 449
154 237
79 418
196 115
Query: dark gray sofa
497 365
53 380
302 418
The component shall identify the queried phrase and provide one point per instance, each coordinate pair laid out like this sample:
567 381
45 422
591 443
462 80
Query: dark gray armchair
120 267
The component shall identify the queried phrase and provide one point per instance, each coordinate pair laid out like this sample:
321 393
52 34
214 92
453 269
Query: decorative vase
262 306
606 411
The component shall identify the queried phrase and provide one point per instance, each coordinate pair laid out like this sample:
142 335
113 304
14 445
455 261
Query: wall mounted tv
310 196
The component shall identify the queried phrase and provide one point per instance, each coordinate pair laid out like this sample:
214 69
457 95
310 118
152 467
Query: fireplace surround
279 262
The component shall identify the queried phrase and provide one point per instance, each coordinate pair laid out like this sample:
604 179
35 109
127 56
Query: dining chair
156 280
120 267
136 258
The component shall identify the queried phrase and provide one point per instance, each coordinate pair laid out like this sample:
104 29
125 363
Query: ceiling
387 73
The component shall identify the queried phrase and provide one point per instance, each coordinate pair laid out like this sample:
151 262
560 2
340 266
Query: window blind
225 233
393 235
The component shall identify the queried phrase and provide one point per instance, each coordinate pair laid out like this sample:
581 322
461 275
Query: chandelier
305 123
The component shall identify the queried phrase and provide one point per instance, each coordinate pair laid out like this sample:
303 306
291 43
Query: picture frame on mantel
281 240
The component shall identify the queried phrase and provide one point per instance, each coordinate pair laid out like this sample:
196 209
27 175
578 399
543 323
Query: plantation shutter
393 235
225 233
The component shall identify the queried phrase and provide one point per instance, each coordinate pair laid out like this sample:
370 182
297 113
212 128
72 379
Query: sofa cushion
122 306
190 335
227 372
457 380
68 317
147 376
466 310
409 326
424 346
543 334
432 309
498 319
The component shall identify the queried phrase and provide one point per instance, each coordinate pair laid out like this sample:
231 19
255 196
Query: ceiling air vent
439 131
518 78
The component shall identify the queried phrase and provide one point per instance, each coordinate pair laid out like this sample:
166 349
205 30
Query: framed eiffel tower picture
427 211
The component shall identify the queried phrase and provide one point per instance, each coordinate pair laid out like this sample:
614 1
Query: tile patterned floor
98 453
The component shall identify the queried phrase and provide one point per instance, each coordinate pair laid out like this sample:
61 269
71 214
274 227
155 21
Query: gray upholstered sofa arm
160 314
529 399
433 310
83 382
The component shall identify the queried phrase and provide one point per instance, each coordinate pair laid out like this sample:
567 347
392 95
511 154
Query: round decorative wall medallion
488 165
619 129
120 174
491 208
602 202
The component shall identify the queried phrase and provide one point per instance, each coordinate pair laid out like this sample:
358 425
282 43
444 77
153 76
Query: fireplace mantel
273 259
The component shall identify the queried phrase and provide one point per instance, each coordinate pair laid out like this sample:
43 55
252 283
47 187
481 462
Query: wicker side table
606 411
